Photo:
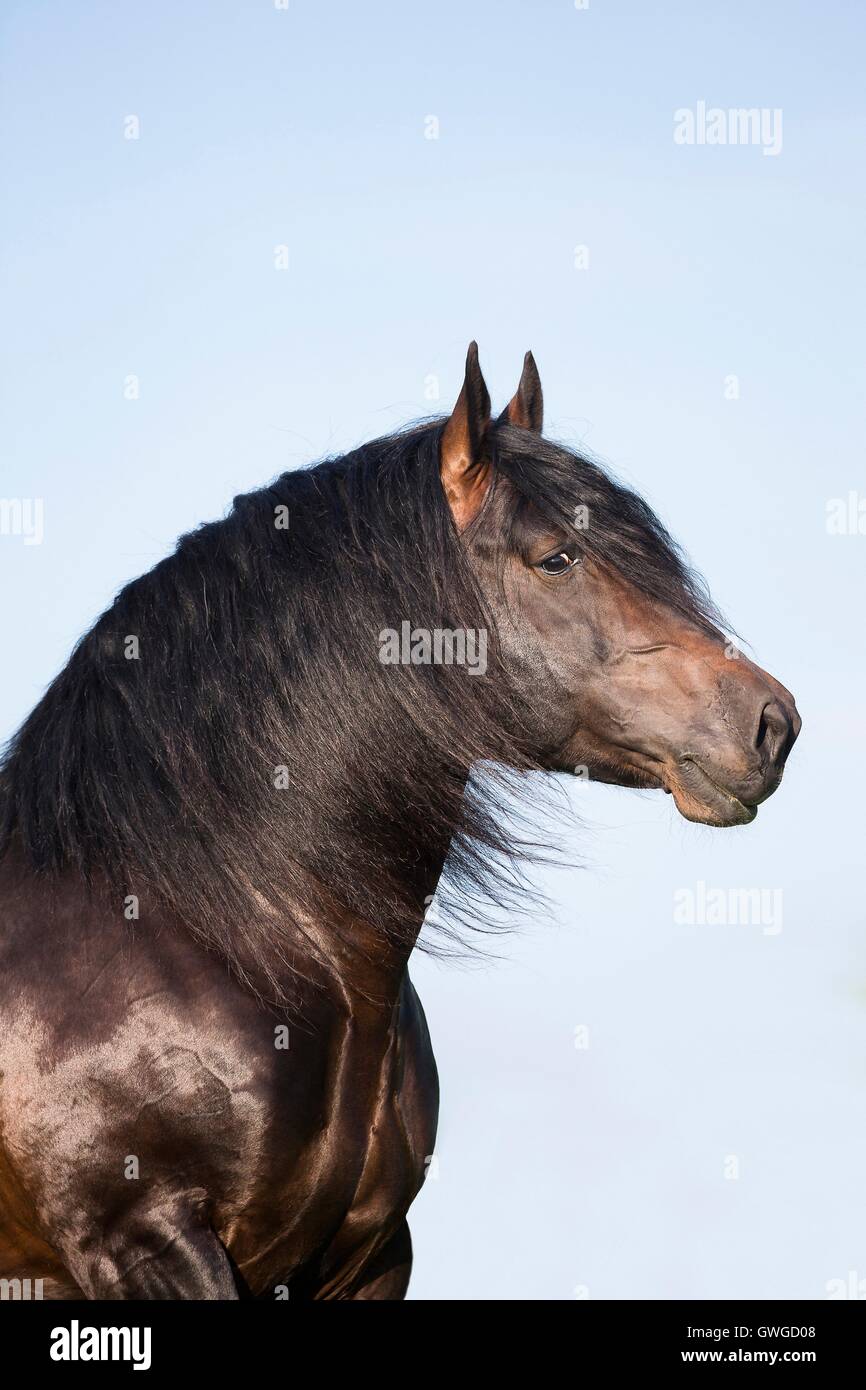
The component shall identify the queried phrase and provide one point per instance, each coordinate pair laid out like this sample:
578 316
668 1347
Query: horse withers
220 827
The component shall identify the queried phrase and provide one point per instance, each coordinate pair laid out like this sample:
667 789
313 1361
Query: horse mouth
699 798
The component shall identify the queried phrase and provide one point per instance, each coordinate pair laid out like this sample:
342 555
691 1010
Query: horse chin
700 799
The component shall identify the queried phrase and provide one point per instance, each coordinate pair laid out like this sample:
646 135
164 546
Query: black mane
259 651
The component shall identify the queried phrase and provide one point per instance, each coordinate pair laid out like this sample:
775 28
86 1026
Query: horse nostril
775 732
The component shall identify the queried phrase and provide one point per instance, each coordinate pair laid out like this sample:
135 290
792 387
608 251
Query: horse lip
749 810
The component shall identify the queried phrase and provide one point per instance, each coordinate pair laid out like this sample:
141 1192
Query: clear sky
705 337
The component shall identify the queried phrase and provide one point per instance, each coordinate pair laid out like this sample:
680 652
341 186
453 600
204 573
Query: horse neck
342 952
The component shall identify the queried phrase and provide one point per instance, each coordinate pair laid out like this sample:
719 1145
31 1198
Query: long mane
255 765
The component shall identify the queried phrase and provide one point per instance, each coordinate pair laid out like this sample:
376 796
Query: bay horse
221 824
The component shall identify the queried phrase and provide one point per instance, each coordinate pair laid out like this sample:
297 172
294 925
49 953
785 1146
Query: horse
222 825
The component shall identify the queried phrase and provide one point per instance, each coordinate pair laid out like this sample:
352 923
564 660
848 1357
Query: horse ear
464 471
526 407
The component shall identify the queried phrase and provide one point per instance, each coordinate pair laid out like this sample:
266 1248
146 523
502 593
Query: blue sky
559 1169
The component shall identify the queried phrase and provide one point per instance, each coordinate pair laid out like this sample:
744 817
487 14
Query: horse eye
557 564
